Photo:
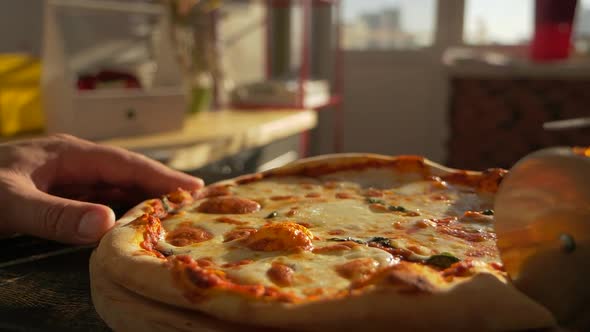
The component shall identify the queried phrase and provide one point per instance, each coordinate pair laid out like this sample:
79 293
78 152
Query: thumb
64 220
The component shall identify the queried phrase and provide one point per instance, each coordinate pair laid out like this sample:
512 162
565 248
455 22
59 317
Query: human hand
43 181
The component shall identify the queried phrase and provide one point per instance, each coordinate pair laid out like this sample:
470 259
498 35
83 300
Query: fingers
59 219
38 165
86 162
120 200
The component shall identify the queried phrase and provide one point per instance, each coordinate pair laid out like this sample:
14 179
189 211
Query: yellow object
20 94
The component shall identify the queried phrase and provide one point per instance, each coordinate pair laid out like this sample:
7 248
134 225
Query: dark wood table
44 286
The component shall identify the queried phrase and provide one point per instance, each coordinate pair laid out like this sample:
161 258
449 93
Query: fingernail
90 225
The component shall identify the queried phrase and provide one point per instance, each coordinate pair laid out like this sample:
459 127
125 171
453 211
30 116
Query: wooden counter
210 136
469 62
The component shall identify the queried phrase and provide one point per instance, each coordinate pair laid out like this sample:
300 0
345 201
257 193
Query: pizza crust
124 310
481 303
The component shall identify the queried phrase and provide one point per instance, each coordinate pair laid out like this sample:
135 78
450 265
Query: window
582 27
388 24
503 22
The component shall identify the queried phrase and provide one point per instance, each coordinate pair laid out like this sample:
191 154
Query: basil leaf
271 215
568 244
442 260
372 200
397 208
383 241
488 212
346 239
166 204
166 252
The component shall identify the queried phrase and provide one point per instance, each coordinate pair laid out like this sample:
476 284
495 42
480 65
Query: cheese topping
315 237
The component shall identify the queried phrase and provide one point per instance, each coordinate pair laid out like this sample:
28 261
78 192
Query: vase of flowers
192 33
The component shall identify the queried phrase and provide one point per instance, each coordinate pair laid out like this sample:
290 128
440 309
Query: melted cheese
421 233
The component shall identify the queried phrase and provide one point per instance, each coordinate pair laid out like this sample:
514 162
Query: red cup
554 21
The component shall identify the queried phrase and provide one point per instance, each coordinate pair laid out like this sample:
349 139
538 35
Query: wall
243 35
21 26
393 104
388 106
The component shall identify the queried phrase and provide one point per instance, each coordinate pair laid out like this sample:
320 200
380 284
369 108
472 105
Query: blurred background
219 88
468 83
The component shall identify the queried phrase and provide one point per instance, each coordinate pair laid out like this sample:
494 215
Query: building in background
379 29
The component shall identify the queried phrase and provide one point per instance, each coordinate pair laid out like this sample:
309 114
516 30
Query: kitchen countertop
470 62
210 136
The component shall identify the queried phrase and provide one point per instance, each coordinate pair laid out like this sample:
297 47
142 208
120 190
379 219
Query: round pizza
346 242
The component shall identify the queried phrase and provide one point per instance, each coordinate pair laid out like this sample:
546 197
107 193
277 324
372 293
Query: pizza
338 242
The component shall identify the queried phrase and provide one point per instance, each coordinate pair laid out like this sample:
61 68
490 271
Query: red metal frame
338 82
304 68
335 100
267 41
216 83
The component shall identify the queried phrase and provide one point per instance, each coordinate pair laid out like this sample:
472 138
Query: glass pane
388 24
504 22
582 28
